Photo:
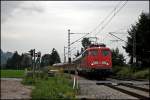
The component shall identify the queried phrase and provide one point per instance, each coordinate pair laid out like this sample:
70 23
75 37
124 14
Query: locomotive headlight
94 63
105 63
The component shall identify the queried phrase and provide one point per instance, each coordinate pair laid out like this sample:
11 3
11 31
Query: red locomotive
95 59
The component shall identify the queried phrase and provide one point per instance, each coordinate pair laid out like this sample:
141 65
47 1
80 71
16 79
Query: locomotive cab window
105 52
93 52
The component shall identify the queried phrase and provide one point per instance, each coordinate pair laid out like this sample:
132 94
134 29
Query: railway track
136 87
110 89
130 88
140 93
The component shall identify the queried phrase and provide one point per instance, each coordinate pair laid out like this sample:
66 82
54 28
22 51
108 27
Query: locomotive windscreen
105 52
93 52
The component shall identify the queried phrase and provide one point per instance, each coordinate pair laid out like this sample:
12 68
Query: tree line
141 33
25 60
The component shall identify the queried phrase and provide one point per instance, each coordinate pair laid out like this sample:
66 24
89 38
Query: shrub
142 74
125 72
116 69
131 72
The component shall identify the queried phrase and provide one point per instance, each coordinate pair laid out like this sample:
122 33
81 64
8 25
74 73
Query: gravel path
13 89
89 89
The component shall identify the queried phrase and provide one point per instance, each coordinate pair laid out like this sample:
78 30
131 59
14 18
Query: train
95 60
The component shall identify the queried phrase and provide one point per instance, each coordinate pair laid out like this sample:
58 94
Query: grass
12 73
57 87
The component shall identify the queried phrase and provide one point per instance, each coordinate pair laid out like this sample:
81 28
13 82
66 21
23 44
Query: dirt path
13 89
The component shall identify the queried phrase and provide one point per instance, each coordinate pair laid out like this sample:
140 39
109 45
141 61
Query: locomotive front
97 60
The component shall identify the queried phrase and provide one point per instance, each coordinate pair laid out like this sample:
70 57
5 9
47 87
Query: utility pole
69 52
33 62
134 49
65 54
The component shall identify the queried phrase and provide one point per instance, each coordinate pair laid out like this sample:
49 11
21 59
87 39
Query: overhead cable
105 18
112 17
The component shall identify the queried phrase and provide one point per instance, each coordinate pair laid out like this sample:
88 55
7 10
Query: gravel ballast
89 89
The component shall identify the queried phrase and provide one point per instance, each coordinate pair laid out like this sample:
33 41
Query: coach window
93 52
105 52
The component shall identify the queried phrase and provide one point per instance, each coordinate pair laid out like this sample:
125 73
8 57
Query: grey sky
43 25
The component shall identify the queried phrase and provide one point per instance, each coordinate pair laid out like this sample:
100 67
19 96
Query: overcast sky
43 25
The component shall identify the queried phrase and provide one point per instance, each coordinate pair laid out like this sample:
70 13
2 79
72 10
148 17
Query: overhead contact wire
111 17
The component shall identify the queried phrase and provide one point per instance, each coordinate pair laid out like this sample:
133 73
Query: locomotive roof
91 48
97 48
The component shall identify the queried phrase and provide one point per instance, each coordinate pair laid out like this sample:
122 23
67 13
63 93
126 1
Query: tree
4 58
50 59
117 58
46 60
86 42
142 36
26 61
14 61
55 57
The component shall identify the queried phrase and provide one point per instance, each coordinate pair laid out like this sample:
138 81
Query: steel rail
136 87
128 92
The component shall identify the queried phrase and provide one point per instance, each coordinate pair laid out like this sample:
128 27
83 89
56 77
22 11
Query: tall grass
58 87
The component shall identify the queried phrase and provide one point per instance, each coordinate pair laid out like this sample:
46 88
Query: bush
142 74
130 72
116 69
125 72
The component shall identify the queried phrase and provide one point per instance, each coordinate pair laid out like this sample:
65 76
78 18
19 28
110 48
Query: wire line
106 17
111 18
